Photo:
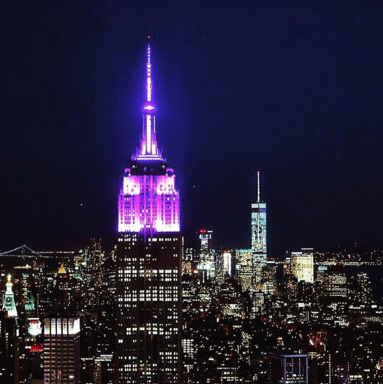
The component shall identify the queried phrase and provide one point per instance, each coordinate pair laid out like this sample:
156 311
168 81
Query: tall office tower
149 252
63 289
95 260
188 261
270 278
23 278
9 348
9 300
77 273
258 234
62 350
288 368
363 289
302 265
205 237
30 307
206 256
227 262
321 273
335 285
30 343
244 265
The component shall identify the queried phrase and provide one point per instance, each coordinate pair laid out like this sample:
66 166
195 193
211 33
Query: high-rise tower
149 261
62 363
258 233
9 300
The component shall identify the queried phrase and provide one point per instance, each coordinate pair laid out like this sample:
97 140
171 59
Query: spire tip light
149 148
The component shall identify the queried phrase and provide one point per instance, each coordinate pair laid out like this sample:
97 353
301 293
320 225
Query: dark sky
292 88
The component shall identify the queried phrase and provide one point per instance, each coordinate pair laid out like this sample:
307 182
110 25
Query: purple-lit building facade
149 252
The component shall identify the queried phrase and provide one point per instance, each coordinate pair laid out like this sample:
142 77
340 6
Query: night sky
294 89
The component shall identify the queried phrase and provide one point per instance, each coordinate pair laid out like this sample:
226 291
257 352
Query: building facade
9 304
62 350
149 251
288 368
244 261
302 265
258 234
9 348
205 238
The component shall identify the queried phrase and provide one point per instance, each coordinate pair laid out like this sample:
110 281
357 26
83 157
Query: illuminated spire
258 186
148 77
149 148
9 284
9 299
149 200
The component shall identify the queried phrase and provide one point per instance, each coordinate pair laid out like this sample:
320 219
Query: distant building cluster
306 320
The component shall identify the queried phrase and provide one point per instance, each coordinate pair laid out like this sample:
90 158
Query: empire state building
149 261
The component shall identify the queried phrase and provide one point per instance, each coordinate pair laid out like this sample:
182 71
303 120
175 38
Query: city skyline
300 102
199 189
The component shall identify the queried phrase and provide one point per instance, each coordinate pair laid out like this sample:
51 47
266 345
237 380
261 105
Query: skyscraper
302 265
62 350
9 300
149 253
258 234
206 256
244 261
205 237
288 368
9 348
9 337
